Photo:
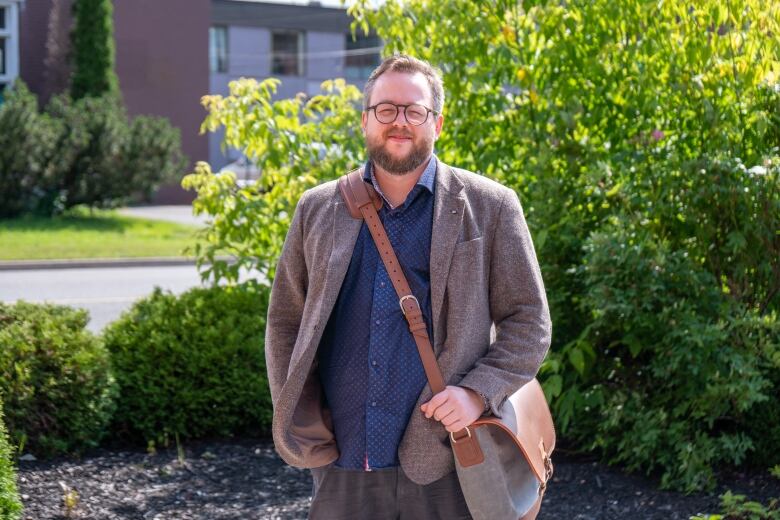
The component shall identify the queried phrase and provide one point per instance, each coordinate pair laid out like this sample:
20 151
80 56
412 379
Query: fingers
444 411
433 405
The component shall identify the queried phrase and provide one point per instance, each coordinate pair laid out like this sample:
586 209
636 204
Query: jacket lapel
345 232
447 218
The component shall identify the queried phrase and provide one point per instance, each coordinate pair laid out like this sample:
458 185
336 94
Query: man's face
399 147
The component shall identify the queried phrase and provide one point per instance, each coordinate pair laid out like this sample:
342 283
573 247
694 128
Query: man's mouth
400 138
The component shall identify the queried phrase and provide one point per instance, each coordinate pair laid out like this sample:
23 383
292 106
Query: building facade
301 45
9 43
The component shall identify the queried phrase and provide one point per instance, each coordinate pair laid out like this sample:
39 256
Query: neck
397 186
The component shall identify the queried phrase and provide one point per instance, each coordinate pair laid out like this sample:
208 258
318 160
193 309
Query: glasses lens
386 112
416 114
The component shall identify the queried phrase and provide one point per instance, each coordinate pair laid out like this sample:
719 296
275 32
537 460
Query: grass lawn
104 234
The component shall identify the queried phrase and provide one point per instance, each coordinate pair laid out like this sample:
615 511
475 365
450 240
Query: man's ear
363 121
439 124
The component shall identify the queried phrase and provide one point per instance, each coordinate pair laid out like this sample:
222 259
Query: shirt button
374 363
377 322
381 284
373 403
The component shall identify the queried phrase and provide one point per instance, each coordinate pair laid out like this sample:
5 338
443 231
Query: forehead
402 88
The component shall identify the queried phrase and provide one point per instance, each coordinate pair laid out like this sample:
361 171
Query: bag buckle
407 297
548 468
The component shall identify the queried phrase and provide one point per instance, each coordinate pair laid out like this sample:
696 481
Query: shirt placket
381 307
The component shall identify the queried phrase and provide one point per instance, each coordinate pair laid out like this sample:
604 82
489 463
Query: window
362 56
218 49
287 53
2 17
2 56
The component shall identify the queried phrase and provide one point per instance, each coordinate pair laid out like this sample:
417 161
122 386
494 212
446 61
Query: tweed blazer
491 324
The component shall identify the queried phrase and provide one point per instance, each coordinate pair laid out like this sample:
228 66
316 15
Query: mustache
397 133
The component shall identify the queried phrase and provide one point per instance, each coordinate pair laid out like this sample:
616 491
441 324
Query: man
351 400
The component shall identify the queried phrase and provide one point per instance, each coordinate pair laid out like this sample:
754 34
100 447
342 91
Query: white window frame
11 36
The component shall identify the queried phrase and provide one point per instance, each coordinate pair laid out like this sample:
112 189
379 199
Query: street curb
80 263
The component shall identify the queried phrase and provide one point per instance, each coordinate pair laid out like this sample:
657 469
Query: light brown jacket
491 324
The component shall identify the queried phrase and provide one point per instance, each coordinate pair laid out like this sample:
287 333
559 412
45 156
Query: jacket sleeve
518 308
285 308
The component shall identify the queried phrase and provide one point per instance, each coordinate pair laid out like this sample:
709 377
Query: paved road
104 291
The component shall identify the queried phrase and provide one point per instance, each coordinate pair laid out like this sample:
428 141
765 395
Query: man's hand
455 407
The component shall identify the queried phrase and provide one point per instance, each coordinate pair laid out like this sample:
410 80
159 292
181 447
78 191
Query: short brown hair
409 65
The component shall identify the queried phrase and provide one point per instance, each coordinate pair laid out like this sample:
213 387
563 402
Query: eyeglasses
414 114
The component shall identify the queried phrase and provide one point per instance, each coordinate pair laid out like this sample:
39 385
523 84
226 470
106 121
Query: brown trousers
383 493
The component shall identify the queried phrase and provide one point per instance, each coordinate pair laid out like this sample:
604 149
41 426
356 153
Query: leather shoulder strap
356 192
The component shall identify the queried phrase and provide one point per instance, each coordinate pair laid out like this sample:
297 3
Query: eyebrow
393 102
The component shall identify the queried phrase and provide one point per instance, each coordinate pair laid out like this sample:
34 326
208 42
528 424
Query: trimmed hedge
55 379
191 365
10 505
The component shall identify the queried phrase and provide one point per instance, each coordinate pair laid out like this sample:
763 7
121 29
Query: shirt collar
426 180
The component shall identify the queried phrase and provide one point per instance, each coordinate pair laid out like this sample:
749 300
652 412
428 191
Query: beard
422 148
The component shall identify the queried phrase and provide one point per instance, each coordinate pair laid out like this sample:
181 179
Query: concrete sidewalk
179 214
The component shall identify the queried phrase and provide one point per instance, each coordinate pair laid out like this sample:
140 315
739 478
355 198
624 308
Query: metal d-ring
452 436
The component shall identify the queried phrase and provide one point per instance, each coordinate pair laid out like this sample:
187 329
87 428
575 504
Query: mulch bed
245 479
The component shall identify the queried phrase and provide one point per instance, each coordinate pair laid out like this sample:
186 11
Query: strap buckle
452 435
407 297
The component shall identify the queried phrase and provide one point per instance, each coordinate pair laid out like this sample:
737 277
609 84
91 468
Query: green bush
738 507
80 152
95 133
191 365
10 505
662 332
26 152
151 157
55 379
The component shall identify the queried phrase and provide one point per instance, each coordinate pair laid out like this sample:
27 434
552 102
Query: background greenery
643 140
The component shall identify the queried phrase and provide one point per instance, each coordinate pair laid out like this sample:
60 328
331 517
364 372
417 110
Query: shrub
55 379
10 505
662 332
152 156
26 152
738 507
191 365
94 136
80 152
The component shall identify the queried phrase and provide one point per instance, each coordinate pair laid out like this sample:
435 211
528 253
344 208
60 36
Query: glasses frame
398 109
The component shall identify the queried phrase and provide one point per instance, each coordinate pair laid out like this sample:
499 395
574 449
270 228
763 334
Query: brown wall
162 60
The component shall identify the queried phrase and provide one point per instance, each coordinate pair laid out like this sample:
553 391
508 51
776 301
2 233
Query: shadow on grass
78 219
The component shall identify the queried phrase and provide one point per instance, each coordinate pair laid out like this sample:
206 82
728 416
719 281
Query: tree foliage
643 140
93 49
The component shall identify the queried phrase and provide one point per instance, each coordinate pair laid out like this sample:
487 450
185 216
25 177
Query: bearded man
351 399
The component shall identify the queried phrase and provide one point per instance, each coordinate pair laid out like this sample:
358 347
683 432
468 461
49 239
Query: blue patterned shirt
369 365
